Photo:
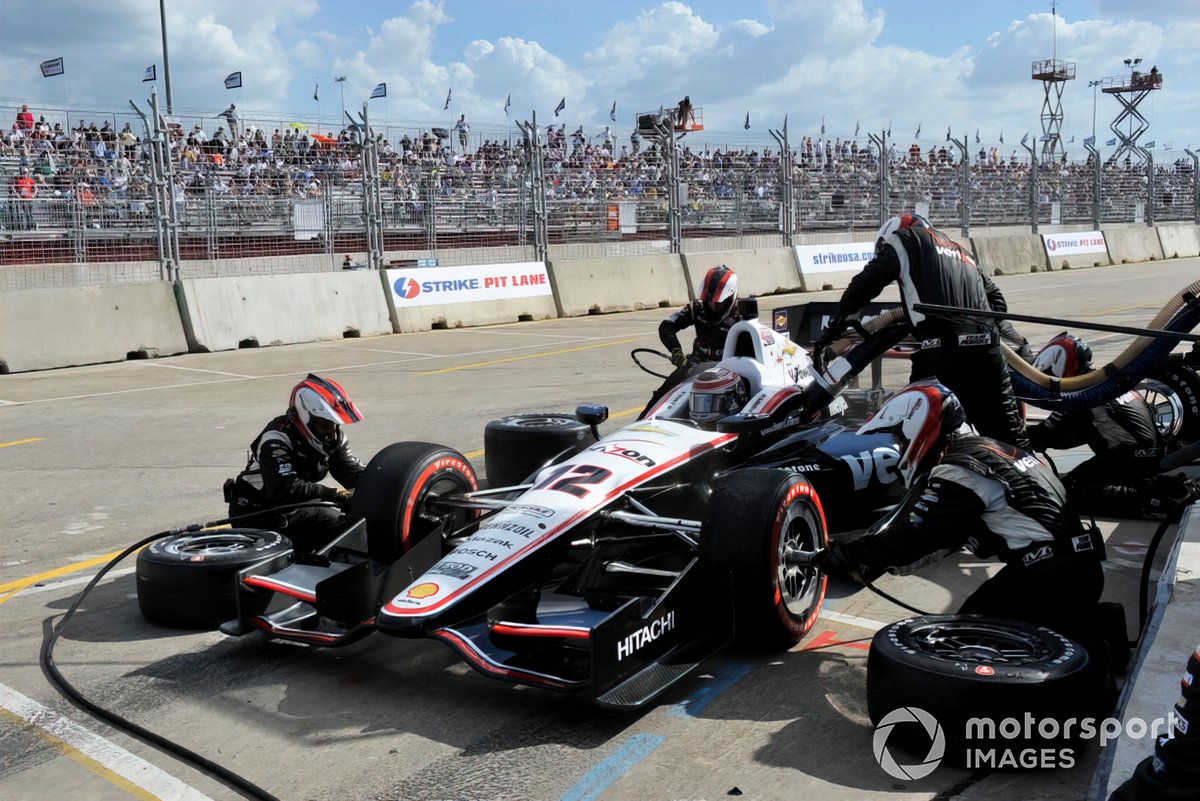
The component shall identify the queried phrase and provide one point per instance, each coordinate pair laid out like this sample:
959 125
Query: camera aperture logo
937 743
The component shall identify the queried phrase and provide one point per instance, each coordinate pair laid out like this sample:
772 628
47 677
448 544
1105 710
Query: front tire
190 580
398 492
753 516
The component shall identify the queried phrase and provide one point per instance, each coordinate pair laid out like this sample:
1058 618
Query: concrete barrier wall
1010 255
45 328
591 286
1179 241
1134 244
761 271
220 313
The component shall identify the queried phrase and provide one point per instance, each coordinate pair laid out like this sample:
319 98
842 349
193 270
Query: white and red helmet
1065 356
717 393
923 415
718 294
899 223
320 408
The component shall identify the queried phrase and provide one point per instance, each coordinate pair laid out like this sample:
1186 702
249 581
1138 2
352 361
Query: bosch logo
407 288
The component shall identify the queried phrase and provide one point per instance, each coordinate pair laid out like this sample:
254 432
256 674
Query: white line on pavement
852 620
191 369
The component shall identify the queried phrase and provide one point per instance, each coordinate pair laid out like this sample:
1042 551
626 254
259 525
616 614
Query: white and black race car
612 567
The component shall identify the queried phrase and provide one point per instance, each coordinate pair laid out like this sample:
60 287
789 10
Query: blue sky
852 62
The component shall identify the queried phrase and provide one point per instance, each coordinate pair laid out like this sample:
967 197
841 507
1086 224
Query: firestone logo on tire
937 743
407 288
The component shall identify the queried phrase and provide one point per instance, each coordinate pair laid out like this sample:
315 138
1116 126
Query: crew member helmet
320 408
923 416
899 223
1065 356
718 294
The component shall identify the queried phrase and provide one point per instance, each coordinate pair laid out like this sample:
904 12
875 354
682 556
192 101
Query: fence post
787 161
537 187
372 199
881 143
1149 186
1195 183
1096 178
964 187
670 154
1033 184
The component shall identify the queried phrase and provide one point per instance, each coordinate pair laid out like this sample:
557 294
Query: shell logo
423 590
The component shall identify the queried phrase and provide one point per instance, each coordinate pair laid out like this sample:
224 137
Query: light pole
162 15
341 79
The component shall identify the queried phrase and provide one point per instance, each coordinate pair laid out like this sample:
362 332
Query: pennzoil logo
423 590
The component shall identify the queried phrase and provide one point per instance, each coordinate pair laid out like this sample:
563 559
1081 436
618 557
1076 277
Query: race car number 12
574 478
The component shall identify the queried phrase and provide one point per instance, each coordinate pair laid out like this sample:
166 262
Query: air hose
53 631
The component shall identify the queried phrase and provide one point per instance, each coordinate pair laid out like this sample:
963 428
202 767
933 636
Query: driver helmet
923 416
1065 356
717 393
899 223
320 408
718 294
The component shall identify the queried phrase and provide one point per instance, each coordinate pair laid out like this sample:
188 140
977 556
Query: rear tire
516 446
753 515
397 495
190 580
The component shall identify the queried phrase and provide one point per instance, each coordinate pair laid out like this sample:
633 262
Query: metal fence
101 210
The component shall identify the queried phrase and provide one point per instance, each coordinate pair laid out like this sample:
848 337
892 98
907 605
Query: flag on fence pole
233 80
1001 136
1168 145
1025 137
947 133
822 125
52 67
1072 140
747 125
1150 145
151 73
612 114
889 130
1111 142
856 127
561 107
1089 140
976 136
447 105
507 104
380 90
317 91
917 135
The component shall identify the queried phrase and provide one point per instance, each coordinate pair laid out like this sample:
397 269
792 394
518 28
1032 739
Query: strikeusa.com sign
435 286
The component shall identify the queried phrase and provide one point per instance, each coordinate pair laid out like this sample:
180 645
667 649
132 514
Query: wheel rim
1166 406
980 642
428 512
797 585
218 542
543 421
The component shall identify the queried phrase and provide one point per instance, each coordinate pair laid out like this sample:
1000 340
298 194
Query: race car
613 571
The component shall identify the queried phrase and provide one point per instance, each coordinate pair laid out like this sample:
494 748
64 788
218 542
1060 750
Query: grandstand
273 190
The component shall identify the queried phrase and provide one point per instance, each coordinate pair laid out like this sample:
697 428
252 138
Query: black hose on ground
53 631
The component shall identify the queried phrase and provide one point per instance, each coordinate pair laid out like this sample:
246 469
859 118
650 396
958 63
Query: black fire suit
1118 480
282 468
993 500
964 355
707 347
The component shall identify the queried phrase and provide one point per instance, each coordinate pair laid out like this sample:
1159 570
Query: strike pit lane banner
435 286
1076 243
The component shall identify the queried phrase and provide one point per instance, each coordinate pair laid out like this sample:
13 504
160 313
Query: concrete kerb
251 311
1133 244
1179 241
595 286
761 271
1171 633
42 329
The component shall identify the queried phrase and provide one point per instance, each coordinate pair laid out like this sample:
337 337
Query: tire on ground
190 580
963 667
397 495
1183 382
752 516
516 446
